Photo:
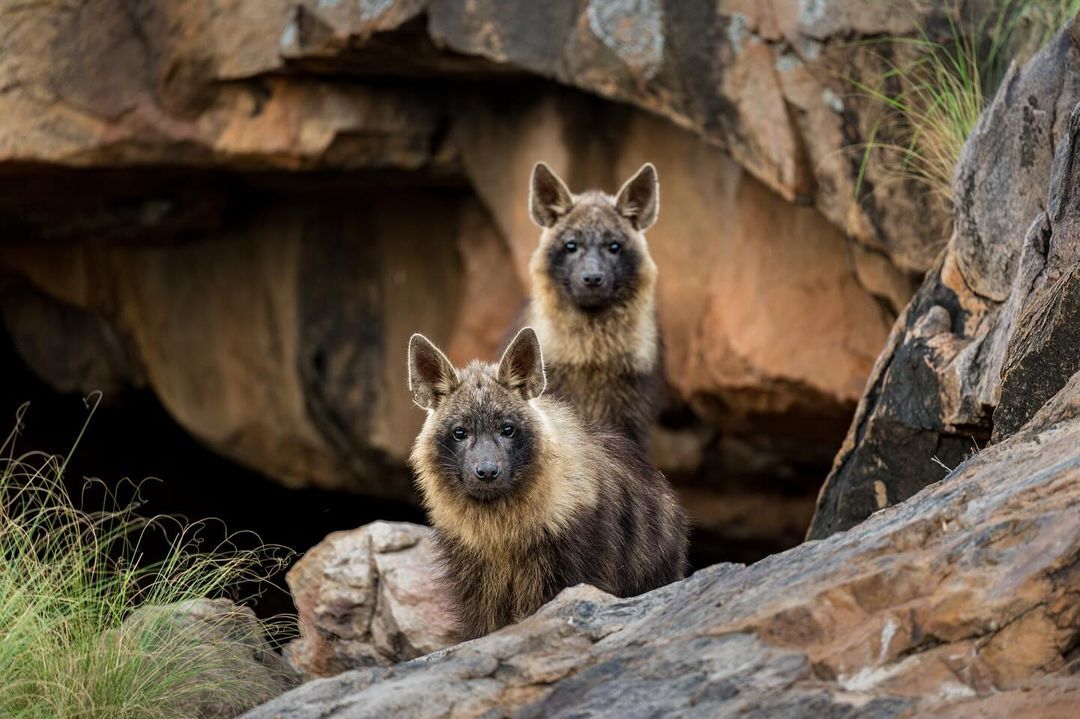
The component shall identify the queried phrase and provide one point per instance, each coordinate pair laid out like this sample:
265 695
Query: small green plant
82 634
938 84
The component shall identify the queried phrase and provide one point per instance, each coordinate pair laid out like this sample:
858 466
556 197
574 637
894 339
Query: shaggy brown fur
601 343
526 497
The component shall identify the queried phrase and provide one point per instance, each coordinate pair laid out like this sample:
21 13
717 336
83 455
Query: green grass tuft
70 581
933 94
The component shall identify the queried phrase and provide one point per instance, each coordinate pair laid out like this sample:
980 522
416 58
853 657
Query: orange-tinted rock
368 597
242 82
279 339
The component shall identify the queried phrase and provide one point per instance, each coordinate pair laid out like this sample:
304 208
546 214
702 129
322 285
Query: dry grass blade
933 96
81 634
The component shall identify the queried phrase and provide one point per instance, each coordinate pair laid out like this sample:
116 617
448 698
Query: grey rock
957 602
999 192
223 646
1042 356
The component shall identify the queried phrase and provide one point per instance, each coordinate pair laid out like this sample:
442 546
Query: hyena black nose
592 279
486 471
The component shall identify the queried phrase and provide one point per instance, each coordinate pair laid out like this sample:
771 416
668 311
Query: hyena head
592 251
483 431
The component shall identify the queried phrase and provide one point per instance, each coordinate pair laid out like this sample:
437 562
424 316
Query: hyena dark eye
570 247
460 433
614 247
508 430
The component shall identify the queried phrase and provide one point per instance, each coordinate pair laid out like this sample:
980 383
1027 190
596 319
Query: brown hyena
594 299
527 497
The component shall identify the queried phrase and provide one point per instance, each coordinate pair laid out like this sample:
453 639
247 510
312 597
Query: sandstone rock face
368 597
280 339
958 602
200 83
247 207
224 643
992 333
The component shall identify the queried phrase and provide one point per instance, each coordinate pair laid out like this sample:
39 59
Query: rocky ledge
962 601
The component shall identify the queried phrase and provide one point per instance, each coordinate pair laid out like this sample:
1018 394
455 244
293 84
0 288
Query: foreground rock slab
368 597
962 601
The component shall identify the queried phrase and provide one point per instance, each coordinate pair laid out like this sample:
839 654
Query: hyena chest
626 400
515 588
508 591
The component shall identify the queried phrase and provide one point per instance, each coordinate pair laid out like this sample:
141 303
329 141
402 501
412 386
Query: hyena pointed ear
549 197
639 199
431 376
522 365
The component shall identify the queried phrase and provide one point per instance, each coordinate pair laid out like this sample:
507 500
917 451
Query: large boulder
992 332
368 597
958 602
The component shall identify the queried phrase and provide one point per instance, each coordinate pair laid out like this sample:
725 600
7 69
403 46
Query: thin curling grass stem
936 87
83 631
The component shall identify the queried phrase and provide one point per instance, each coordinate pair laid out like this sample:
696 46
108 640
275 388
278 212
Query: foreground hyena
527 497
